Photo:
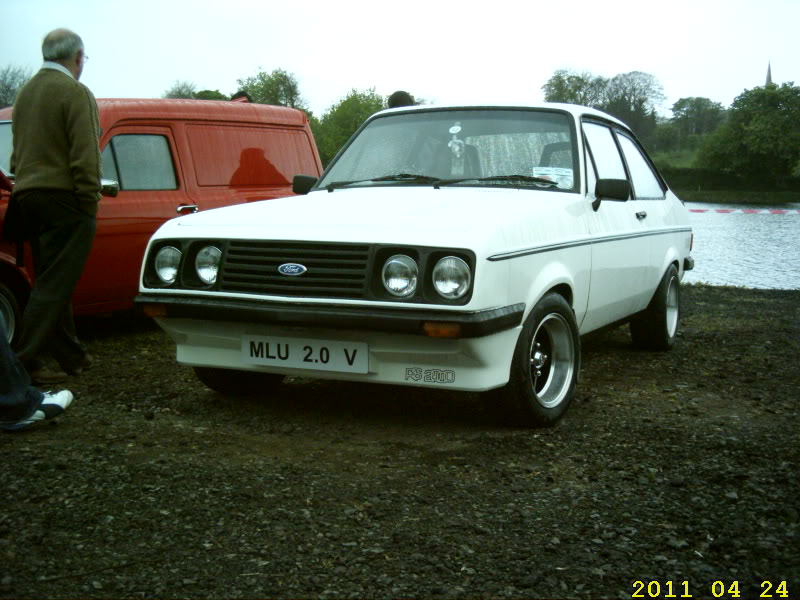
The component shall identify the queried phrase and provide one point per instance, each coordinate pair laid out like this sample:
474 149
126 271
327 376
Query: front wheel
656 327
238 383
544 368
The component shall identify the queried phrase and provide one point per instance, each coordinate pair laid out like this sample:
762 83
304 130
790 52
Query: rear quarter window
645 184
242 156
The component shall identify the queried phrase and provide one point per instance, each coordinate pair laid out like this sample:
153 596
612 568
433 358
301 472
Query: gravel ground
670 467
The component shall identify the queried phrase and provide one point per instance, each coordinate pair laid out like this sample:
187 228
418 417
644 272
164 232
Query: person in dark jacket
56 162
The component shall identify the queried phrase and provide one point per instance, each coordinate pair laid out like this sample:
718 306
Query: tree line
331 130
756 138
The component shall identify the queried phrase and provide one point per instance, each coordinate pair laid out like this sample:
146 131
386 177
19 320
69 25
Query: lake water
747 245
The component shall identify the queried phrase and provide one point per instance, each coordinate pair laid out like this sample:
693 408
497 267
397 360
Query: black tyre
9 309
238 383
544 369
656 327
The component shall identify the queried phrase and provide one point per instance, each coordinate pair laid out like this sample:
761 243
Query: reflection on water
746 249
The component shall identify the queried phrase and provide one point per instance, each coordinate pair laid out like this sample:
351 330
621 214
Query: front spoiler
361 318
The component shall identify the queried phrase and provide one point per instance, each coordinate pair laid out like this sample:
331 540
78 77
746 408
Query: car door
144 161
620 248
650 193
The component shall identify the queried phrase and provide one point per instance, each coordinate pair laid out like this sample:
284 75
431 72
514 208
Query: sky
446 52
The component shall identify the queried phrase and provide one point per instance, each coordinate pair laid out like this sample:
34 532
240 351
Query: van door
620 248
144 161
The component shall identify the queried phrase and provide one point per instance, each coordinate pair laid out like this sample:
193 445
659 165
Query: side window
591 175
226 155
140 162
645 183
109 164
5 146
604 151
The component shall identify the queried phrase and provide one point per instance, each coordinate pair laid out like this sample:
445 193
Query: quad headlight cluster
451 276
206 264
421 274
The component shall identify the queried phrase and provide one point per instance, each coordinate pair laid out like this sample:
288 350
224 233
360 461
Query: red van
169 157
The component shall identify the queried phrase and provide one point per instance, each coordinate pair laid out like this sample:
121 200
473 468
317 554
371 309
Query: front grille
334 270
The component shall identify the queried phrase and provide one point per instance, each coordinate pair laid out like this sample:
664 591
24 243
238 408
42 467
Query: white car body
521 240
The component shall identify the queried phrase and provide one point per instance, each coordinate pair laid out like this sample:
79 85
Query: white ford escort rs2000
462 248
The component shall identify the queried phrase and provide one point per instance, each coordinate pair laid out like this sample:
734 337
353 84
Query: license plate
302 353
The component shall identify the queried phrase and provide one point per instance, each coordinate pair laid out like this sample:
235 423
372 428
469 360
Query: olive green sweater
56 131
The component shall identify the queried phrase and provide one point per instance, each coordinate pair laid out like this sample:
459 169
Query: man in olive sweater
56 161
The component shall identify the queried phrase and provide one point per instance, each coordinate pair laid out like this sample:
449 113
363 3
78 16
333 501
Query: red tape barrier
749 211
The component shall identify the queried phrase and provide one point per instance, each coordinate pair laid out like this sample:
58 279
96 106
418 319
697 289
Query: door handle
182 208
641 215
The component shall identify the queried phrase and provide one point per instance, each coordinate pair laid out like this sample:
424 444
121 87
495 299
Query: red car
168 157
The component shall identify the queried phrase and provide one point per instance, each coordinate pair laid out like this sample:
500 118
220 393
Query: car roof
114 109
576 110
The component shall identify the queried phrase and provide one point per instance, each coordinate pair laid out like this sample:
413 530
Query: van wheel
9 309
238 383
656 327
544 368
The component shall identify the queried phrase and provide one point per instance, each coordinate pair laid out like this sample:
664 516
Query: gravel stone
677 466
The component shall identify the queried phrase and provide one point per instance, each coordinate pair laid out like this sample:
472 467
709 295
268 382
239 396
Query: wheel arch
15 278
671 256
16 281
554 277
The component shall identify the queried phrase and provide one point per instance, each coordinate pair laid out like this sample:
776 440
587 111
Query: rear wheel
9 309
656 327
238 383
544 369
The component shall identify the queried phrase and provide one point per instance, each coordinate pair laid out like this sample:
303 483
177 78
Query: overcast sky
447 52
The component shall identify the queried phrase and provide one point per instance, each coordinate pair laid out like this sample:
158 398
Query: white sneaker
52 406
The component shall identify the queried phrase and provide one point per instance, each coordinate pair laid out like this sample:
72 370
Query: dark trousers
61 236
18 400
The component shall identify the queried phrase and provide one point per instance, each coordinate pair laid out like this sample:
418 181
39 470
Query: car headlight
207 264
451 277
400 275
166 263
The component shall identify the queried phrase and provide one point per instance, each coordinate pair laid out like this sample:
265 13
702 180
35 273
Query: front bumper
361 318
214 333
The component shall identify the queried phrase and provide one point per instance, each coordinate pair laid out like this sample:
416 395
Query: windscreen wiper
335 185
409 177
406 177
525 178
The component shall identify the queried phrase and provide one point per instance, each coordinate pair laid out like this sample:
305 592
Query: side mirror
109 187
302 184
612 189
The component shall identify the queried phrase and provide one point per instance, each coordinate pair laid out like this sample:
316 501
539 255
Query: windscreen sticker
563 177
455 144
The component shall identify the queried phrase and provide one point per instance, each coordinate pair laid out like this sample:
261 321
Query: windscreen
473 145
5 146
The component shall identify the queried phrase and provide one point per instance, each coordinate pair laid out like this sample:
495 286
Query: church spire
769 74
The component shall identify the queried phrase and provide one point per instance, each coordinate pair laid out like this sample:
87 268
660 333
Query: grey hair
61 44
